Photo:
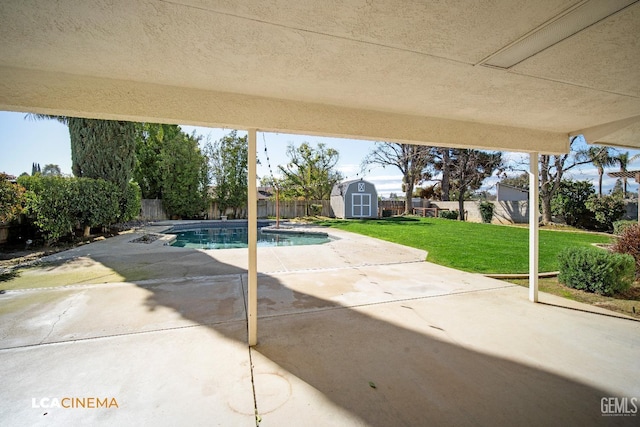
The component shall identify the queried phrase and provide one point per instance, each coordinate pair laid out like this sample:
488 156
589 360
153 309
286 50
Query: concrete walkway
353 332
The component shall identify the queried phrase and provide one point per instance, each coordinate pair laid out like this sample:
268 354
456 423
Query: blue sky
23 142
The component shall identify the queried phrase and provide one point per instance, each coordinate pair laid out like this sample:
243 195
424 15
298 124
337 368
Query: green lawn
473 247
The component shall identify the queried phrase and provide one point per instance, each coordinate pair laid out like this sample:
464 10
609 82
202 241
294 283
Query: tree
51 170
103 149
412 161
185 183
11 198
570 202
35 169
601 158
551 172
618 189
442 162
149 142
520 181
469 169
100 149
228 171
310 173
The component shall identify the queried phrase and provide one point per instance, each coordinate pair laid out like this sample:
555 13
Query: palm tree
623 160
601 158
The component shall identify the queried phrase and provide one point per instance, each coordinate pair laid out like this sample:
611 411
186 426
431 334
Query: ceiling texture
514 75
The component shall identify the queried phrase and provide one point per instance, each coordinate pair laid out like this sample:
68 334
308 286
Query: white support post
533 227
638 181
252 214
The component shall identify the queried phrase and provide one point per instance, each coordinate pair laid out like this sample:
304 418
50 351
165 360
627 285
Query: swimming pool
236 236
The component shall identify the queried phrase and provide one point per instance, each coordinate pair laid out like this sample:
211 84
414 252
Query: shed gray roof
340 187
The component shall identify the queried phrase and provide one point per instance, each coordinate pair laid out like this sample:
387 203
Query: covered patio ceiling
516 75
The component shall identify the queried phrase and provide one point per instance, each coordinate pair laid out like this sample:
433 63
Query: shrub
486 211
620 226
629 243
606 210
94 202
595 270
448 214
315 209
56 205
51 205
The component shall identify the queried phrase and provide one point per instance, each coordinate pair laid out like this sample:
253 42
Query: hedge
57 205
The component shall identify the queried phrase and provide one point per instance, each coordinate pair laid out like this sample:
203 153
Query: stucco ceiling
388 70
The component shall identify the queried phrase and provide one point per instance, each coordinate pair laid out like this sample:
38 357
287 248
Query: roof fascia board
597 134
85 96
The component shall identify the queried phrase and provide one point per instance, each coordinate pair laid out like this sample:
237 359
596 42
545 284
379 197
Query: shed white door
360 205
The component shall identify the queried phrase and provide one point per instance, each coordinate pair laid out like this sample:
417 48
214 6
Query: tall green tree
228 171
310 173
410 159
103 149
150 141
469 169
184 172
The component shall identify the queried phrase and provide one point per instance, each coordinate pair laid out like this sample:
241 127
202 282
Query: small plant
486 211
595 270
629 243
620 226
315 209
448 214
606 210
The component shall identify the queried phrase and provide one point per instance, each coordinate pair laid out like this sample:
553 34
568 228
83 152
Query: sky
24 141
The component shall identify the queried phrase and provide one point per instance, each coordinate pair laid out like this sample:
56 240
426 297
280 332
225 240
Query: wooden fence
152 209
505 212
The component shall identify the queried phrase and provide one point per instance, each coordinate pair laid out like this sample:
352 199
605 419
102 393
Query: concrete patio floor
353 332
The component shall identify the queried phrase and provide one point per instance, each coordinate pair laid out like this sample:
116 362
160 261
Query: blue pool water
237 237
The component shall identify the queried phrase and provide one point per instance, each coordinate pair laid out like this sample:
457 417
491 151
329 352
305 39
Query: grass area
473 247
627 302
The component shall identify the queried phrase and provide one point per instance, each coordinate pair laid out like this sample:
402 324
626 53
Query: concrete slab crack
55 323
253 389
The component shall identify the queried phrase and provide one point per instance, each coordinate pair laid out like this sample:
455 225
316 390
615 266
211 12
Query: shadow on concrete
381 372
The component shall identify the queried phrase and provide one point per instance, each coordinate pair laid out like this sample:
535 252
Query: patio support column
252 215
638 181
533 227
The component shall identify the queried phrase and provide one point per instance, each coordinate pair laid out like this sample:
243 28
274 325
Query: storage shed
354 199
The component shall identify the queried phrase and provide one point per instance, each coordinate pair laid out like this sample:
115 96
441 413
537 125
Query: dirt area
22 255
627 302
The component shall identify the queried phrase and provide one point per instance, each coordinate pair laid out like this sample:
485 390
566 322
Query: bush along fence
596 270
